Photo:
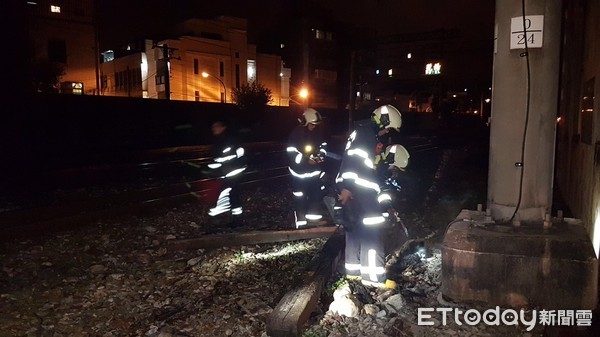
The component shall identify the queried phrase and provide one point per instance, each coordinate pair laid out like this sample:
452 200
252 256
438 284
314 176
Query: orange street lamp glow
304 93
224 98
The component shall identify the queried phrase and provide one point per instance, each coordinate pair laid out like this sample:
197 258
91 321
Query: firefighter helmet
401 156
311 116
387 116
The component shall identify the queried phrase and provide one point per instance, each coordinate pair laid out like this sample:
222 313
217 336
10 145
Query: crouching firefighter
359 188
306 151
228 163
389 164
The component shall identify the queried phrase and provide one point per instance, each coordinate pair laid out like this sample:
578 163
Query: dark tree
46 75
252 97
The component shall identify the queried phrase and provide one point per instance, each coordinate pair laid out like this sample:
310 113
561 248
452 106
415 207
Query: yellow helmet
387 116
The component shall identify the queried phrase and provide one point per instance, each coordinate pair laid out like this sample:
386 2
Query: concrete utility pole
524 105
547 263
352 94
167 57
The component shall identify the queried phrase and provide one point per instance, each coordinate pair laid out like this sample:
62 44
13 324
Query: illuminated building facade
63 34
201 60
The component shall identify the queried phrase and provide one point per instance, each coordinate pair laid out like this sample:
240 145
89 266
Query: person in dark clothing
306 149
228 162
359 188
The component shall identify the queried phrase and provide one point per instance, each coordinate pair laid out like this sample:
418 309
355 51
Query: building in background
317 48
62 38
199 60
427 71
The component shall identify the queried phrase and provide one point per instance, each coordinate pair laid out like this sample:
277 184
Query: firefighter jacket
357 171
229 158
304 145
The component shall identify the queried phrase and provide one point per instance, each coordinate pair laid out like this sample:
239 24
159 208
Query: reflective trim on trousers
223 203
371 269
301 223
352 268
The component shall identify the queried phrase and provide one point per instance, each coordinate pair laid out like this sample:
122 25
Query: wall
62 130
578 162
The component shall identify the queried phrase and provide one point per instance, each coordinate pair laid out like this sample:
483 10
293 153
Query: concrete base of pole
519 267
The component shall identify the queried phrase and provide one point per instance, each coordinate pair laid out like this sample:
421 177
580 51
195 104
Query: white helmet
401 155
311 116
387 116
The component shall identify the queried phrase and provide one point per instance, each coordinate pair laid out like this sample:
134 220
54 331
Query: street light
304 93
301 97
224 98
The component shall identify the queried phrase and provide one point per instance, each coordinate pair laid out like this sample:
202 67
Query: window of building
197 96
251 71
196 67
433 68
237 75
587 111
325 76
137 77
160 79
57 50
237 55
319 34
117 80
221 69
104 81
54 9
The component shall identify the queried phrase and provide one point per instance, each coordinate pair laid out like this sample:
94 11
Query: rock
342 291
194 261
396 301
371 309
97 269
346 306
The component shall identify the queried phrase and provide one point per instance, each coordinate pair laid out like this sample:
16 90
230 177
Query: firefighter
388 166
359 187
228 163
306 151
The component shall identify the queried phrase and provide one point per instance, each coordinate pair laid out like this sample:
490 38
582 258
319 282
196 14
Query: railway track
163 184
122 184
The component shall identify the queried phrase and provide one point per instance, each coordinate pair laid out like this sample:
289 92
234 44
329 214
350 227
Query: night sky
121 21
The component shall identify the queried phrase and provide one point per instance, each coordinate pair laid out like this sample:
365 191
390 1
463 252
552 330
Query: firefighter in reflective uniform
388 166
359 188
306 151
228 163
